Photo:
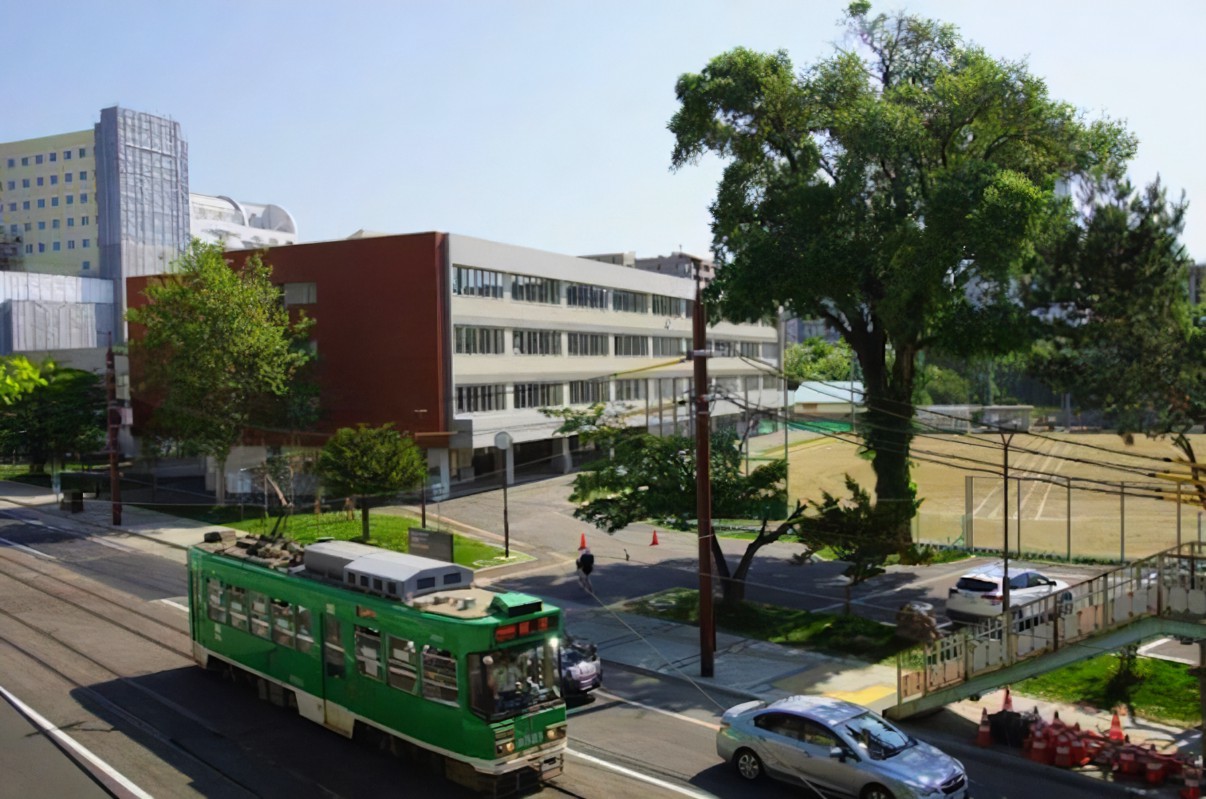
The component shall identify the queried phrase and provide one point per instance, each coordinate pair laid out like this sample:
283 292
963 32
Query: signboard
438 492
431 544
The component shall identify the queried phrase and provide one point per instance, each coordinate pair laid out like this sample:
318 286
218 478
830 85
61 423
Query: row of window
57 246
484 398
473 282
29 205
15 228
48 157
48 180
473 340
385 658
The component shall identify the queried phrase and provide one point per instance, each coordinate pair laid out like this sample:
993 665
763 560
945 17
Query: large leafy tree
1122 333
216 343
365 463
894 190
18 376
65 415
818 359
644 476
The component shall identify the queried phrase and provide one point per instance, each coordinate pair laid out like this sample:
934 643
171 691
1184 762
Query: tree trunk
220 482
364 525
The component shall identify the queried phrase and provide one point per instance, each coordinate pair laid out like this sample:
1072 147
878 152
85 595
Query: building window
38 158
67 178
537 342
41 202
722 349
29 226
588 392
629 301
480 399
581 295
669 306
41 224
71 244
12 206
525 288
25 205
83 197
469 281
480 340
669 346
588 344
41 247
86 265
70 220
25 160
86 243
751 383
630 389
54 180
12 184
66 155
83 220
300 293
54 223
83 150
54 202
748 349
631 345
28 249
55 246
83 175
54 157
70 199
537 395
41 181
25 183
12 163
770 351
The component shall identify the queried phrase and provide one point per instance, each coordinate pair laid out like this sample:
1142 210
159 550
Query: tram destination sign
431 544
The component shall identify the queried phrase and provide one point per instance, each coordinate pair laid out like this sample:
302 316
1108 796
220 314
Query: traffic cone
1115 728
1008 704
984 736
653 543
1038 749
1191 791
582 543
1063 751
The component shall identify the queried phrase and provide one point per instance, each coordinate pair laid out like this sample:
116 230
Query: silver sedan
836 748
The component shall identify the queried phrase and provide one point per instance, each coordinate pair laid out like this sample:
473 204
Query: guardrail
1170 584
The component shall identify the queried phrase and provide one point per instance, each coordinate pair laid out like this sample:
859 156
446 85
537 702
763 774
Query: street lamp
502 440
1007 429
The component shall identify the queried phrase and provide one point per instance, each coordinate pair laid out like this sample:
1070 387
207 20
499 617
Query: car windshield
879 738
506 682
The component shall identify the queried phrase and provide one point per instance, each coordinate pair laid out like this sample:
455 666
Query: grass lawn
835 633
1158 690
388 531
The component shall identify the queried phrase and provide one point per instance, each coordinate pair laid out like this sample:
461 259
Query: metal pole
1019 517
1122 523
114 424
506 522
1005 439
1068 513
1178 515
703 486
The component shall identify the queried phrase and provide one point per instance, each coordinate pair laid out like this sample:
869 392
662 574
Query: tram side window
217 611
403 673
368 653
305 630
282 623
261 622
238 607
332 650
439 675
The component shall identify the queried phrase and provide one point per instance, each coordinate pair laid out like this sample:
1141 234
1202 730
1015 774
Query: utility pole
422 414
703 483
114 426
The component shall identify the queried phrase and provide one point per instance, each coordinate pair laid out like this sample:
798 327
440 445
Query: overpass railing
1169 584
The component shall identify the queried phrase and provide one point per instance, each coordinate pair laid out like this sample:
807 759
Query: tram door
334 672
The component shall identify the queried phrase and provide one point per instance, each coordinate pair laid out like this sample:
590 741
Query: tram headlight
504 748
553 733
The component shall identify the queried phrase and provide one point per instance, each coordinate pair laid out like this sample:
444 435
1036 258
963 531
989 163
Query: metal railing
1170 584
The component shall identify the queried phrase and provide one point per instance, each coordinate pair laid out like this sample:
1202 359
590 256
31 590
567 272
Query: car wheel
875 791
748 764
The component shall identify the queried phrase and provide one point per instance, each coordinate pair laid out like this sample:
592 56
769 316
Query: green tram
396 648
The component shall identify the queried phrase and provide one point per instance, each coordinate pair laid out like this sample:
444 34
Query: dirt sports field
1080 494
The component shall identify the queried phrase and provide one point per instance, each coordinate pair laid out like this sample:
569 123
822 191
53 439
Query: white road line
24 548
174 604
642 777
70 743
650 708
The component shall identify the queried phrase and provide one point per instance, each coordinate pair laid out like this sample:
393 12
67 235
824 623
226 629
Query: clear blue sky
540 122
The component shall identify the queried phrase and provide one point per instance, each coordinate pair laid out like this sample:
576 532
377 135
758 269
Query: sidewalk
744 668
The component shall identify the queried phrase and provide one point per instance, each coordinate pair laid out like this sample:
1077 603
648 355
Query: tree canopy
365 462
63 415
817 359
894 189
18 376
217 343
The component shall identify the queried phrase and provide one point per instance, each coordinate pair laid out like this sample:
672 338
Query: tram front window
506 682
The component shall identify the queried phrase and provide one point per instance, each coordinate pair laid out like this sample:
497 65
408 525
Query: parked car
979 595
835 747
581 669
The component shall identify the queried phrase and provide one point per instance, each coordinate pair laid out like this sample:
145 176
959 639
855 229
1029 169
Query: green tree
217 342
939 385
645 476
894 190
65 415
817 359
365 463
18 376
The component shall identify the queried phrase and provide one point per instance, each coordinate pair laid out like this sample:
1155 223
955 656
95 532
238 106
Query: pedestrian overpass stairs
1162 595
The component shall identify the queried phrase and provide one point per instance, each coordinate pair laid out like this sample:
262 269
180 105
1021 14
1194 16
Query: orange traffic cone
1191 791
1115 728
984 736
653 543
1008 704
582 543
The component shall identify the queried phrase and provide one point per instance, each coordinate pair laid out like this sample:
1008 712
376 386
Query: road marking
173 603
70 743
651 708
639 776
24 548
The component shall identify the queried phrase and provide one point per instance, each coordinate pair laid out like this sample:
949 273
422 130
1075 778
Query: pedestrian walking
586 564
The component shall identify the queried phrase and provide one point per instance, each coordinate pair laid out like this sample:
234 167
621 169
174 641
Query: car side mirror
837 753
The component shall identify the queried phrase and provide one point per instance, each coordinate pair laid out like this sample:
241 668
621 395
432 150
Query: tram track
140 724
